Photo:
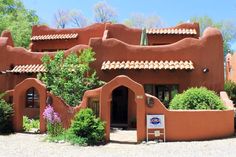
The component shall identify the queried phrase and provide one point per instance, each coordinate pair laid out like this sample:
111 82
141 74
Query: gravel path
31 145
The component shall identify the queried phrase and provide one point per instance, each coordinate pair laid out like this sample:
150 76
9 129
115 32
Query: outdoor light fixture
49 100
205 70
150 101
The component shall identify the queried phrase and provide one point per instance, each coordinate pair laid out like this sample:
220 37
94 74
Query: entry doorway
119 107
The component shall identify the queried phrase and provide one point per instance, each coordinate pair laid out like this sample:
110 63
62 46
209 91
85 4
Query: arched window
32 98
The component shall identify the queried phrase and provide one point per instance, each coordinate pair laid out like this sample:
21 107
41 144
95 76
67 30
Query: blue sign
155 121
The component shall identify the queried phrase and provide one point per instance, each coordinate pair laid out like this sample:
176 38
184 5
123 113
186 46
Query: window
149 88
32 98
165 93
94 105
10 100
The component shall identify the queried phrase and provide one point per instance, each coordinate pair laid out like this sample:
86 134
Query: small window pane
94 105
149 89
165 93
32 98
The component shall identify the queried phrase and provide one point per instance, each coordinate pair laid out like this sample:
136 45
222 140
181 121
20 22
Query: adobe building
141 78
230 67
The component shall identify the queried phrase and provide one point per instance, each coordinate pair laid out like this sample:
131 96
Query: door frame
105 104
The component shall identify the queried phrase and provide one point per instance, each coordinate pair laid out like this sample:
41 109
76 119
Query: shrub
6 113
54 126
30 124
197 99
85 130
86 126
230 88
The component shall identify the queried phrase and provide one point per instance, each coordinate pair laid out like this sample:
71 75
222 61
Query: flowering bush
54 126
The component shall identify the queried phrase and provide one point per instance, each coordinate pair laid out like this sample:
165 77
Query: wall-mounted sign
155 122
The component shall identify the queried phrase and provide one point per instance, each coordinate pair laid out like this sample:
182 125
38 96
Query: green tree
227 28
16 18
69 77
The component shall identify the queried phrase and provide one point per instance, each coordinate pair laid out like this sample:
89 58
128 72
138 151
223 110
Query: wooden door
119 107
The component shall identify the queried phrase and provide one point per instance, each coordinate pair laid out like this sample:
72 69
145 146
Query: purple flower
56 117
50 115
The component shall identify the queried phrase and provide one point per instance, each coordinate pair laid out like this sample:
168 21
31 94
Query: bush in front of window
6 113
197 99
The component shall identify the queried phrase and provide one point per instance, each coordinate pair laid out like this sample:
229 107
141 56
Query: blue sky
170 11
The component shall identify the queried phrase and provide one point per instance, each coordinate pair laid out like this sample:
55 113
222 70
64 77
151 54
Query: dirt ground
33 145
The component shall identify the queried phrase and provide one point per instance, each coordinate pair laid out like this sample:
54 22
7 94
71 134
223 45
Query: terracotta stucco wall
11 56
180 125
19 102
132 108
105 103
121 32
187 125
67 112
31 112
84 35
206 52
133 35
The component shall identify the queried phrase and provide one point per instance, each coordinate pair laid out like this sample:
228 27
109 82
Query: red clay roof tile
29 68
171 31
187 65
54 37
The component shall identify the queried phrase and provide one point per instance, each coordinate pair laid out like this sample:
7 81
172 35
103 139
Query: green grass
69 137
